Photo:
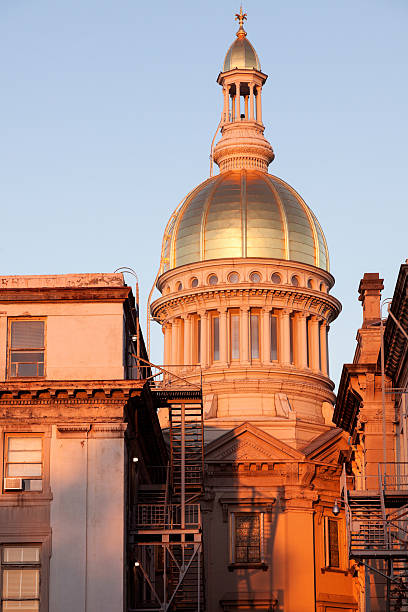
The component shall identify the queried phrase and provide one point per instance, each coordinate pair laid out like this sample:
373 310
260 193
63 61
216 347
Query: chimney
370 289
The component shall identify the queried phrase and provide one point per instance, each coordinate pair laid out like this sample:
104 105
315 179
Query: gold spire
241 18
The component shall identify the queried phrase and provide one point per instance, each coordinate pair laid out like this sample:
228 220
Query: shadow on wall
244 569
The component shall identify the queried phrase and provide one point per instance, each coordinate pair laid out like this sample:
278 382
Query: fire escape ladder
377 530
167 533
187 464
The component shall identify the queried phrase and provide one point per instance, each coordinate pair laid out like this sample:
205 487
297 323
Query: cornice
301 299
64 294
45 391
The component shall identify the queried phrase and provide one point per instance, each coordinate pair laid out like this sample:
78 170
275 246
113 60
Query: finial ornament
240 17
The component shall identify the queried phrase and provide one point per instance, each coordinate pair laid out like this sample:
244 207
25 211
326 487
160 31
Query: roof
240 214
241 54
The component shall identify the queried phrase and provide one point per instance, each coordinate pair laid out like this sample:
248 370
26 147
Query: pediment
327 447
248 443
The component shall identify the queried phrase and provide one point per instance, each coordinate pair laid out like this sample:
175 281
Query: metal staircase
167 525
377 531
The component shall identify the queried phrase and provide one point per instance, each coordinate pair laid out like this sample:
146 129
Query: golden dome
243 213
241 54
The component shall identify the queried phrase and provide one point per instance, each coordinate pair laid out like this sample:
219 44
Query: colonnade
266 336
251 94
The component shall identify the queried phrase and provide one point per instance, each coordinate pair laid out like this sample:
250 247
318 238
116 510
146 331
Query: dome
244 213
241 54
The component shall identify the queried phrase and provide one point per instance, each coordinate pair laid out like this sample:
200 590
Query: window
20 569
308 348
213 279
274 337
255 277
179 286
233 277
216 338
275 278
194 282
234 322
247 537
198 340
26 348
23 467
295 281
291 337
310 284
254 335
332 542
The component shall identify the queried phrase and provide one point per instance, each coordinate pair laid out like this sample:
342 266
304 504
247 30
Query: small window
194 282
310 284
276 278
212 279
20 569
332 542
255 277
167 289
26 349
23 464
179 286
233 277
295 281
247 537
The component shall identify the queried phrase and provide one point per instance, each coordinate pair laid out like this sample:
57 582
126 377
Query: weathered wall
87 520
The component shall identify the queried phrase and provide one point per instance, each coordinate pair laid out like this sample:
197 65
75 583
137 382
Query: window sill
233 566
334 570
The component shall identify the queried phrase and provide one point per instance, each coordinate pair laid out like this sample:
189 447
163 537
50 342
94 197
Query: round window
310 284
213 279
179 286
233 277
295 281
276 278
255 277
194 282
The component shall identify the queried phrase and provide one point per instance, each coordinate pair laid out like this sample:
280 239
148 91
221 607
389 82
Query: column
323 347
167 343
246 108
244 335
314 343
234 97
226 104
174 342
284 356
223 336
266 336
251 100
187 341
204 338
258 105
238 88
301 321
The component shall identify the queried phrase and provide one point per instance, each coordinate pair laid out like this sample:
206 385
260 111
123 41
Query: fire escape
166 533
377 530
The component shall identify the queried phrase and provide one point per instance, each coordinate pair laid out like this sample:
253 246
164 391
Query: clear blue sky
108 109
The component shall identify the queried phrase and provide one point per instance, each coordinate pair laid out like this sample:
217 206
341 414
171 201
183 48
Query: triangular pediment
248 443
328 446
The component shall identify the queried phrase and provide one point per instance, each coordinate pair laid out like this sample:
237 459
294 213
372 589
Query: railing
163 517
167 377
390 476
377 534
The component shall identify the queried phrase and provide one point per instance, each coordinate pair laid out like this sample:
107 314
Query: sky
108 109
